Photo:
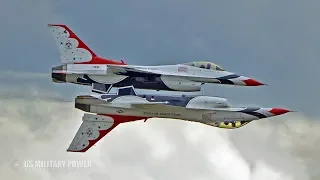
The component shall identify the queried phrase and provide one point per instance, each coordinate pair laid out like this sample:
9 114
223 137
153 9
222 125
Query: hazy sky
276 42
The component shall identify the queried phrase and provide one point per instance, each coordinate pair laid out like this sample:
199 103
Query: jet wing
92 129
97 100
140 105
227 109
125 69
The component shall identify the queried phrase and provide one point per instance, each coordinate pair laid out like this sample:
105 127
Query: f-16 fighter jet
82 66
126 106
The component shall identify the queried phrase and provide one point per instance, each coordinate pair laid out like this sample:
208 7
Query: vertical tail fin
72 49
94 128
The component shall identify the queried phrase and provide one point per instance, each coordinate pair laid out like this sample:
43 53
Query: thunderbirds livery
80 65
110 110
105 111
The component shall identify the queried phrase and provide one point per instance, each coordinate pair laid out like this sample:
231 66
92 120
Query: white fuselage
177 77
209 110
196 115
185 71
199 109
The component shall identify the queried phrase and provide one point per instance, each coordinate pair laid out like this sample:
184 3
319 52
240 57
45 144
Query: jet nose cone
252 82
279 111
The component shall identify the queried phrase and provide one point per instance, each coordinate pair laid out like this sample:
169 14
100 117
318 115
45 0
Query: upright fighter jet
80 65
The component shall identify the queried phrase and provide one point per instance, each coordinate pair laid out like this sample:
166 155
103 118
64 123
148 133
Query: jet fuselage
203 109
83 66
179 77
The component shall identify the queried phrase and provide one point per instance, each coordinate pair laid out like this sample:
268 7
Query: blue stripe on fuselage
226 79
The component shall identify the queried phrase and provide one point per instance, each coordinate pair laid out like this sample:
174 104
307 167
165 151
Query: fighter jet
126 105
80 65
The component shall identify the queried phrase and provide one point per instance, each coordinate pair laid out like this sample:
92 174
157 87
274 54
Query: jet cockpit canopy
205 65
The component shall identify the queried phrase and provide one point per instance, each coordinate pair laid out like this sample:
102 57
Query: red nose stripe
278 111
252 82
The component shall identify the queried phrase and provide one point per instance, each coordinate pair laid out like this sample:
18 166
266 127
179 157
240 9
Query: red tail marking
95 59
73 35
102 133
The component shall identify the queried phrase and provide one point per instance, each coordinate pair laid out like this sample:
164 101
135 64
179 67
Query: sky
275 42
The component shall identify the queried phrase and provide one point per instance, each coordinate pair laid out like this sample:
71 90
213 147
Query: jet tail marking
94 128
72 49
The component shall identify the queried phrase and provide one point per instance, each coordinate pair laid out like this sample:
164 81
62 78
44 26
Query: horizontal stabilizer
101 88
128 90
92 99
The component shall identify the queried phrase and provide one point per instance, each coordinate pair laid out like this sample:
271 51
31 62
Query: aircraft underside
152 82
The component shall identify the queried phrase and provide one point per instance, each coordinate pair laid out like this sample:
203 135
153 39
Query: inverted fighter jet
126 105
80 65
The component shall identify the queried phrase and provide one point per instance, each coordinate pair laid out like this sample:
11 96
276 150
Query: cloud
41 129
